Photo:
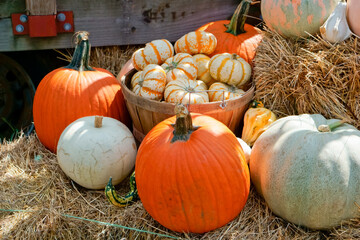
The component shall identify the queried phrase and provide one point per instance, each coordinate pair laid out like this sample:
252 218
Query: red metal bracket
44 25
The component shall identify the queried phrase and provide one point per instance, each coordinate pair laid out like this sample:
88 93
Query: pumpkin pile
210 64
191 170
184 73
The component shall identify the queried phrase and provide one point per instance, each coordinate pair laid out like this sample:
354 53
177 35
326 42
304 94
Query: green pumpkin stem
237 22
256 104
80 59
330 127
183 126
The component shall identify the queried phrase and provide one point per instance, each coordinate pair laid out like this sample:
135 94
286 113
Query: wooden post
41 7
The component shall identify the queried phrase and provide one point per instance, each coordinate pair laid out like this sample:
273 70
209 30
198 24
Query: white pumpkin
308 177
90 154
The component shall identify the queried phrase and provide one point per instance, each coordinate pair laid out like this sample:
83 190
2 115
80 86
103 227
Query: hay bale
309 76
31 180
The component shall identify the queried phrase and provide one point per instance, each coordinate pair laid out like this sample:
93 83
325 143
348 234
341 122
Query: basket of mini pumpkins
164 74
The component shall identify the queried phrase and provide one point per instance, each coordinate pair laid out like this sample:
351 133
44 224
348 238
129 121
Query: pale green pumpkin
308 177
296 18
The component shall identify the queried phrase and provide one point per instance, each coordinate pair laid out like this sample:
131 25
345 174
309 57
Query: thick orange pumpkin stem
237 22
80 59
183 126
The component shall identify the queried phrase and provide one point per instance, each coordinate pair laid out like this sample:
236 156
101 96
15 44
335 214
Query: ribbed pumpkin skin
181 65
186 91
197 185
196 42
138 59
149 83
154 52
308 177
158 51
64 95
293 18
243 44
202 63
222 91
256 121
230 68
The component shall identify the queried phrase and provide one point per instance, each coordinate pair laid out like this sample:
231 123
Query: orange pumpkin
75 91
235 36
192 179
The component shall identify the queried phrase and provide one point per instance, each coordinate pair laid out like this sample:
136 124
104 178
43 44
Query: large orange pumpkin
235 36
192 179
75 91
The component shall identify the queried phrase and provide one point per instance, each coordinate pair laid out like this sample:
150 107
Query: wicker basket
146 113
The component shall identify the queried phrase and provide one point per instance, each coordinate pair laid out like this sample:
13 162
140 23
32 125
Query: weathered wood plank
124 22
11 6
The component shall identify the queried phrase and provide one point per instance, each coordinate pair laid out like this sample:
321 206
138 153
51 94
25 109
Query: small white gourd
336 28
92 149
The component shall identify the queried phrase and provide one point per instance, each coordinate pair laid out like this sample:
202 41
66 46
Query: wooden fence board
121 22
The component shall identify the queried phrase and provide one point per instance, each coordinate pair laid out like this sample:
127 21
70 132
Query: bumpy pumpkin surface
149 83
75 91
186 91
230 68
256 120
201 180
196 42
308 177
296 18
221 91
181 65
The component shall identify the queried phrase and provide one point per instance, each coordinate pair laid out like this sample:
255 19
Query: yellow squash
256 120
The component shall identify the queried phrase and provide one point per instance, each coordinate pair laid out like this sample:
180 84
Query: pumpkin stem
80 59
237 22
183 126
256 104
330 127
98 121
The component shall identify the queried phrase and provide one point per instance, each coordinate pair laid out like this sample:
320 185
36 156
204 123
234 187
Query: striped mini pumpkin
186 91
158 51
295 18
196 42
202 63
138 59
221 91
149 83
230 68
180 66
154 52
